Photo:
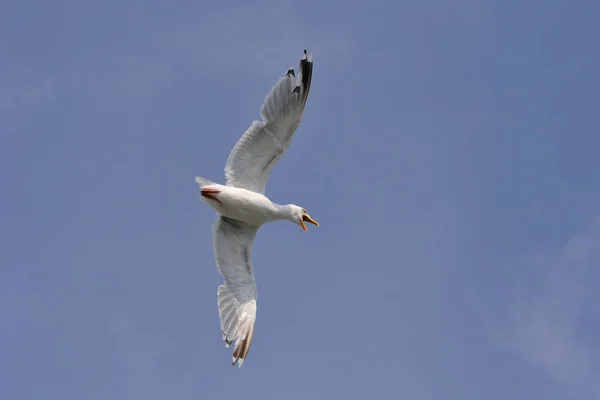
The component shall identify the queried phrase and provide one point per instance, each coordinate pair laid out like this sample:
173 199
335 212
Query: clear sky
449 149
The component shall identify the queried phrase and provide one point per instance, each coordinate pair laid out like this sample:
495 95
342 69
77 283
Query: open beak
307 218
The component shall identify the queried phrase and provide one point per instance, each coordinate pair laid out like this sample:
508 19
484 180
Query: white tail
203 181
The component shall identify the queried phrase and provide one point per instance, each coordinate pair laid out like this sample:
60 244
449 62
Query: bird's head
300 216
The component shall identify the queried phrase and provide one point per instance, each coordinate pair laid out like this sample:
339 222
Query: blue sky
448 149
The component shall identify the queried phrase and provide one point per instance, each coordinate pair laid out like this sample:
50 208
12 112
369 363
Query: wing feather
236 298
265 142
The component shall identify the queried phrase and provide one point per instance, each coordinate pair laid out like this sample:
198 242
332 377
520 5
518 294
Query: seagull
242 207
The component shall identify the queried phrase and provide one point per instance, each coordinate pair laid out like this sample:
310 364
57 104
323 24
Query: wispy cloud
555 312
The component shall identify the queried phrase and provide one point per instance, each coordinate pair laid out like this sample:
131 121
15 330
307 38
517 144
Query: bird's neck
283 212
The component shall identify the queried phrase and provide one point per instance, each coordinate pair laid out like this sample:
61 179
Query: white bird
242 206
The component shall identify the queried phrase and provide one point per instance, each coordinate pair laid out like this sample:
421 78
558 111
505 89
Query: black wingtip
306 58
306 67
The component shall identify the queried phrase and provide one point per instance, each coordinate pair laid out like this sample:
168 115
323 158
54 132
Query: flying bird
242 207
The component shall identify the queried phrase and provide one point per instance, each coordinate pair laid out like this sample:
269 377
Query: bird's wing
265 142
232 243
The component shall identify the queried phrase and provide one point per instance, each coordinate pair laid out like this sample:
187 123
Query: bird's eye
303 211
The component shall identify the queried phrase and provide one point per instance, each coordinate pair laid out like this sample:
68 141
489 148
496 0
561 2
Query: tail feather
203 181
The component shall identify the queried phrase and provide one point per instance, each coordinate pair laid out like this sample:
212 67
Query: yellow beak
307 218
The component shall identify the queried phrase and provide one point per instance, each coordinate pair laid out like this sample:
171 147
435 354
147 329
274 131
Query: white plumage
243 207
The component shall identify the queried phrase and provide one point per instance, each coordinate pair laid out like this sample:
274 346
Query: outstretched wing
232 243
265 142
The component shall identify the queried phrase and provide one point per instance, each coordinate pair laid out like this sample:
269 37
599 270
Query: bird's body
243 208
241 204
